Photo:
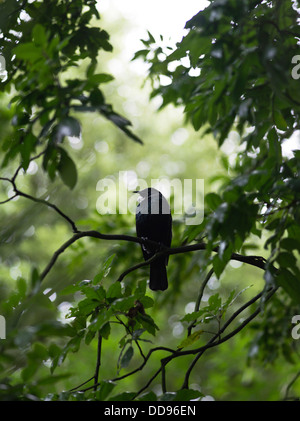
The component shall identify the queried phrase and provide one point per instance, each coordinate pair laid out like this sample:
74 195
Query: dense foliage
232 76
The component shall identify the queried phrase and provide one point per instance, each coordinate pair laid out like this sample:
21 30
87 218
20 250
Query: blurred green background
30 233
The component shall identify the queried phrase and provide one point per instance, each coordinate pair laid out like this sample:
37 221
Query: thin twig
9 199
50 205
286 396
150 381
199 298
151 351
81 384
213 340
98 361
163 377
93 234
211 343
18 192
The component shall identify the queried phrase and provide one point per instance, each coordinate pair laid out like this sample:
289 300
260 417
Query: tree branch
199 298
98 361
257 261
210 344
212 341
18 192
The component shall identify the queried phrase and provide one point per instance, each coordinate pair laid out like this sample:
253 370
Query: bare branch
9 199
18 192
257 261
199 298
98 361
213 341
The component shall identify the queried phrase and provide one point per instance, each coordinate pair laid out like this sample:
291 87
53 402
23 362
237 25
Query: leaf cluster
42 43
243 53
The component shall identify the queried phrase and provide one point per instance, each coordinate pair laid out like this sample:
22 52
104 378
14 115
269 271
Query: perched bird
154 222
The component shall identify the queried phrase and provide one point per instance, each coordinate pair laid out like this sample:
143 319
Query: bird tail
158 275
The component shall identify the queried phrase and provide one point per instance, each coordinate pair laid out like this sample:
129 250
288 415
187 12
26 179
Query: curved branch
18 192
93 234
146 358
50 205
257 261
9 199
199 298
199 351
212 341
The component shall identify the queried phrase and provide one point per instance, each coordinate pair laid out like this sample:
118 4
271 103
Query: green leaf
286 259
123 304
114 291
140 290
290 283
86 306
70 289
190 317
22 287
279 120
94 292
105 269
190 340
141 53
137 333
100 78
105 388
214 302
187 395
67 169
147 322
192 231
290 244
126 358
89 337
147 301
168 396
99 321
27 51
68 126
35 278
218 265
122 397
148 396
213 200
288 353
39 35
105 330
29 371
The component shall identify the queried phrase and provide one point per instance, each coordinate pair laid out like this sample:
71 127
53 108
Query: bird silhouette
154 222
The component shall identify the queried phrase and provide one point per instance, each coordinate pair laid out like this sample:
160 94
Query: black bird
154 222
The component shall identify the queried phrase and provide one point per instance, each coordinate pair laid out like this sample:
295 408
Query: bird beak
135 191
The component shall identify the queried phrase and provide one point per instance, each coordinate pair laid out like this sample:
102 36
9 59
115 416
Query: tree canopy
80 321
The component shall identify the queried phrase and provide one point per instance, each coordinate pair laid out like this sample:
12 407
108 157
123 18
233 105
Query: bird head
159 204
149 191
